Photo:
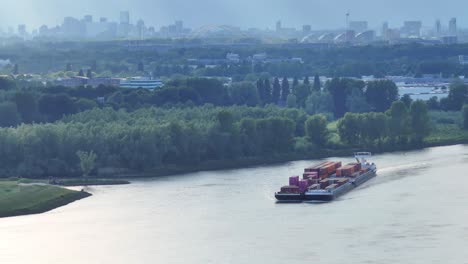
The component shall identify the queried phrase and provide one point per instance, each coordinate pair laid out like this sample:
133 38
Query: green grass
90 182
22 199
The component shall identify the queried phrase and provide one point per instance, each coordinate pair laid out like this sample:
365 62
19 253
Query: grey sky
244 13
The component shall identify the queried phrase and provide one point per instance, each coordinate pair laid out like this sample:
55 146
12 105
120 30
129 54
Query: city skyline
261 14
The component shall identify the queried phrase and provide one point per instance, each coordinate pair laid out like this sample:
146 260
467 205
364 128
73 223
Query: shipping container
314 187
294 180
289 189
303 185
331 187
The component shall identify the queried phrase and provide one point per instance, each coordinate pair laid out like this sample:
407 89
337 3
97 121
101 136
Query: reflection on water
413 212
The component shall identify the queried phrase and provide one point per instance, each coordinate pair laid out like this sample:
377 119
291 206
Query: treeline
377 60
153 138
148 139
399 126
334 98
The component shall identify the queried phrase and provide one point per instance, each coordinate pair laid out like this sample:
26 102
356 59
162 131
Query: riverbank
18 198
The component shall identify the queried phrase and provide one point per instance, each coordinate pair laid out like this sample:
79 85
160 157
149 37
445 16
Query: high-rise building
22 30
358 26
453 26
412 28
438 28
278 26
384 29
125 17
306 29
88 19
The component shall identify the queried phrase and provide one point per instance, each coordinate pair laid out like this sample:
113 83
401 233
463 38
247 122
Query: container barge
328 180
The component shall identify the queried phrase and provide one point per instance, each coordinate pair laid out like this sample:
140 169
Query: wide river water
415 211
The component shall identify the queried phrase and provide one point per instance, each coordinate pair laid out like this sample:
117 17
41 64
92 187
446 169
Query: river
415 211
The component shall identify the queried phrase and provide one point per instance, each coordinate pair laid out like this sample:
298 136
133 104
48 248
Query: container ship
328 180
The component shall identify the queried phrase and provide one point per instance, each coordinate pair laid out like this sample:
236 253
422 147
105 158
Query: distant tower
278 26
384 29
125 17
347 19
438 28
453 26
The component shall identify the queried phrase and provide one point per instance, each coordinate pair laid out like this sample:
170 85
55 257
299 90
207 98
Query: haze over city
243 13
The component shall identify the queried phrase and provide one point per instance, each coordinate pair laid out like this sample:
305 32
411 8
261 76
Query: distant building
306 29
233 57
453 27
412 28
358 26
88 19
141 82
463 59
438 28
260 57
449 40
73 81
278 26
125 17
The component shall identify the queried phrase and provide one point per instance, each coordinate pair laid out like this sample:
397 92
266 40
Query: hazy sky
244 13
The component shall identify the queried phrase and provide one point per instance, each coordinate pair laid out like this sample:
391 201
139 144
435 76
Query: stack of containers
324 169
345 171
290 189
314 187
331 187
303 185
324 183
294 180
341 181
310 175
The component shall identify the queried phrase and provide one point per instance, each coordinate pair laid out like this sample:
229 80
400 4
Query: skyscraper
453 26
438 28
125 17
384 29
278 26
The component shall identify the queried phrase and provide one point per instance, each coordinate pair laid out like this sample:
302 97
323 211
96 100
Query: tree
294 85
244 93
285 89
141 67
267 92
306 80
316 129
420 121
340 88
465 116
356 102
8 115
276 93
87 161
291 101
302 91
406 99
433 103
27 106
81 73
399 123
457 95
319 103
317 85
381 94
56 106
226 120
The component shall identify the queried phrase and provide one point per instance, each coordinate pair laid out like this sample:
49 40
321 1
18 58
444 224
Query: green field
22 199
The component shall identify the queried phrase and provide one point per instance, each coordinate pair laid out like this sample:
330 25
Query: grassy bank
22 199
90 182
